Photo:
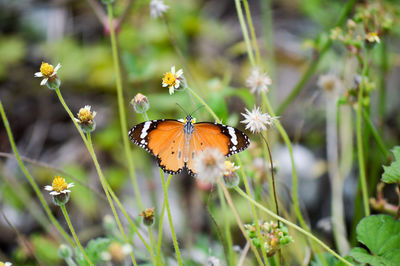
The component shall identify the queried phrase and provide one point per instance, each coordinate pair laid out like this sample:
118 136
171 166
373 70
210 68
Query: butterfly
176 143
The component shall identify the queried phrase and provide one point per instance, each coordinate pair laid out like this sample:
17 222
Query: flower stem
103 184
375 134
360 150
30 178
244 31
122 114
203 103
239 221
151 239
288 223
228 235
160 225
171 225
252 31
71 228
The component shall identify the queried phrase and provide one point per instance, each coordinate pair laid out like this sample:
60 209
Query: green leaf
381 235
392 173
93 249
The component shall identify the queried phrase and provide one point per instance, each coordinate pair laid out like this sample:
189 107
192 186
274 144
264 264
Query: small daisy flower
209 165
157 8
258 81
85 119
329 82
140 103
172 79
372 37
49 75
231 179
257 121
59 190
148 216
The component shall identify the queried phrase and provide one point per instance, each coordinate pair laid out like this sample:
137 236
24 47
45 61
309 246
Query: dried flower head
257 121
209 165
329 82
140 103
49 75
230 177
148 216
59 190
173 79
85 119
258 81
157 8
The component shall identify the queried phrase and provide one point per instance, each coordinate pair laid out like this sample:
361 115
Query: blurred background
76 34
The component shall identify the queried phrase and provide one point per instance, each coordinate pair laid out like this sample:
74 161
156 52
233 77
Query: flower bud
140 103
231 179
64 251
148 216
86 119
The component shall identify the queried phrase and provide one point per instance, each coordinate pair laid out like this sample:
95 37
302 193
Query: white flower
172 79
258 81
213 261
47 71
157 7
59 186
329 82
209 165
256 121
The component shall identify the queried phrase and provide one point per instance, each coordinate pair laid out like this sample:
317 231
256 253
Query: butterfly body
176 143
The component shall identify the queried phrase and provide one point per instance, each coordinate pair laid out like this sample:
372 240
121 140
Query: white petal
38 74
70 185
65 191
177 83
55 193
44 81
48 188
57 67
179 73
164 84
173 70
171 90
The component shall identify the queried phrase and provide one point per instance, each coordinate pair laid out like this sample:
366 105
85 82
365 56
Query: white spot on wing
233 135
144 130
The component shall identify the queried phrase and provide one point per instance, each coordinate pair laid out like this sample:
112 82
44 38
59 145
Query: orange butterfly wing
228 140
163 139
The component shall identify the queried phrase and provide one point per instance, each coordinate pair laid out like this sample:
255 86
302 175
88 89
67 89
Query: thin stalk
384 67
228 235
103 184
103 181
239 221
296 227
375 134
253 211
71 228
121 108
313 66
160 225
203 103
360 150
244 31
30 178
252 31
171 225
151 239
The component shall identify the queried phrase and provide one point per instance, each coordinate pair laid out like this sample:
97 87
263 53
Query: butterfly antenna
181 108
201 106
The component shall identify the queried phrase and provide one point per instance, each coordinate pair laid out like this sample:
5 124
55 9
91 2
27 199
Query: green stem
203 103
244 31
160 225
288 223
228 235
103 184
171 225
94 158
71 228
375 134
239 221
30 178
252 31
360 151
382 78
122 114
151 238
313 66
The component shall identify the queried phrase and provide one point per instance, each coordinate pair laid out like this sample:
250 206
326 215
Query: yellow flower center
46 69
85 115
59 184
169 79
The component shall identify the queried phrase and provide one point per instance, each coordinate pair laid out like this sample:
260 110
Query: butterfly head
188 128
189 120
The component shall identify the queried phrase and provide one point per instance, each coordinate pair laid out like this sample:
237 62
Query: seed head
256 121
209 165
